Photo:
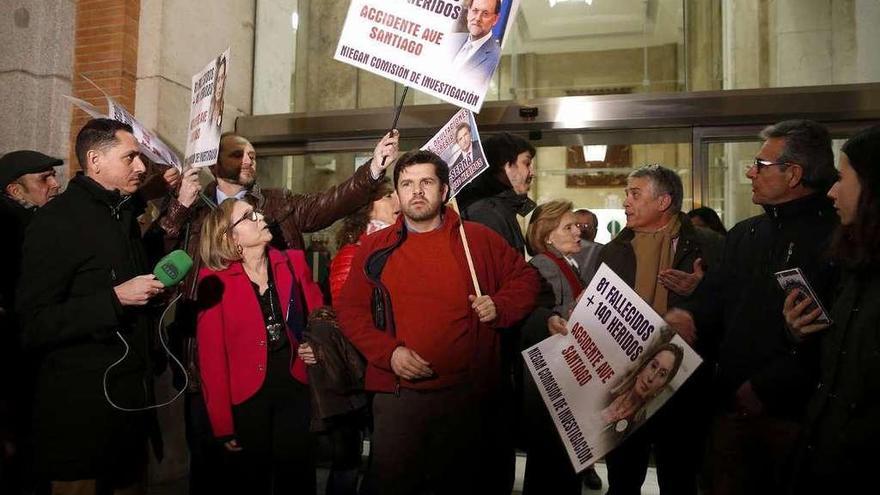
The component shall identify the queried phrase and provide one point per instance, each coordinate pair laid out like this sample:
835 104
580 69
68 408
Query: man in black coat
764 378
499 194
663 256
495 199
27 182
82 299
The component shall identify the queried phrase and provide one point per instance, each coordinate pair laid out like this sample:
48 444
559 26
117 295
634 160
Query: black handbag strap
296 314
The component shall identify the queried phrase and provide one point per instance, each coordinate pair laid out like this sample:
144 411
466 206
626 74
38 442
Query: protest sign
149 143
206 113
439 47
458 144
617 366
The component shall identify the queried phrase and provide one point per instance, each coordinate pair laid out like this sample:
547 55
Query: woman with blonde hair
253 306
216 115
552 238
647 380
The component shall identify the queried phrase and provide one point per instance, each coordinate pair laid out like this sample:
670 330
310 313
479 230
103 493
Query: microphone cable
162 339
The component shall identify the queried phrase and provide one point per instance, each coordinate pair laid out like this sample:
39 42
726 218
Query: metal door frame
700 117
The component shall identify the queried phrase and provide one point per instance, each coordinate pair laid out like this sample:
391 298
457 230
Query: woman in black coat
842 431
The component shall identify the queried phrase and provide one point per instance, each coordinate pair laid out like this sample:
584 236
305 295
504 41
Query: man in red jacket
430 341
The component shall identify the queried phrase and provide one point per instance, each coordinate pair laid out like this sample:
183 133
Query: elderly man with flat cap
27 182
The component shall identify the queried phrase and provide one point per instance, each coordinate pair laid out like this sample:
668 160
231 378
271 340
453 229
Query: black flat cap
17 163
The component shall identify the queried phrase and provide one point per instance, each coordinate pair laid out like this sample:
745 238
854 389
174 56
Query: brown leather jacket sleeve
297 213
172 221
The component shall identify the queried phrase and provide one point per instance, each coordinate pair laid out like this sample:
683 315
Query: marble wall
177 39
783 43
36 61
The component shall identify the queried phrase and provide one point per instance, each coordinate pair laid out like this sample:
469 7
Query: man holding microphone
84 283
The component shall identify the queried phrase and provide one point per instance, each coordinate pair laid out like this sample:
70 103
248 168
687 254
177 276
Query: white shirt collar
221 196
469 48
477 44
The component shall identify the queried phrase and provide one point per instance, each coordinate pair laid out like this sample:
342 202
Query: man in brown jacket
289 215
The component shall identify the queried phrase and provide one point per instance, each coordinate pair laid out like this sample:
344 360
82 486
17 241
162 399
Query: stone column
703 32
804 48
35 72
866 19
274 55
326 83
177 39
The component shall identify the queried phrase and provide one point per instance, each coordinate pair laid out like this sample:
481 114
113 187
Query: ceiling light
595 153
553 3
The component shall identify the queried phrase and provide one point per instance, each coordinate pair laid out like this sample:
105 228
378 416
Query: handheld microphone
172 269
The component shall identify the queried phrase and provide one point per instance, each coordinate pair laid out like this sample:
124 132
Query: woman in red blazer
254 302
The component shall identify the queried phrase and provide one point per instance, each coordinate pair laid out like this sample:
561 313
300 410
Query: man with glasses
479 54
764 378
288 216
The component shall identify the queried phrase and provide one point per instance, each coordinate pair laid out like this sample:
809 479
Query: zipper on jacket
788 256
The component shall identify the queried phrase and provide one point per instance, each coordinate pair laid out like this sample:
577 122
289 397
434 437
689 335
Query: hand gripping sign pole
396 116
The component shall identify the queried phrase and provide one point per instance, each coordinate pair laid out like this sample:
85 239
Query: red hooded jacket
502 274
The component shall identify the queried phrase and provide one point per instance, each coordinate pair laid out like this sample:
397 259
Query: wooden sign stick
467 250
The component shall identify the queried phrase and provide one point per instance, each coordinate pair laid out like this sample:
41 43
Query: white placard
429 45
618 364
458 144
206 113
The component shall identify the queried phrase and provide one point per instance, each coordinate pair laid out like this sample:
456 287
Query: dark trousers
345 438
548 467
272 428
750 454
498 441
677 436
425 442
208 468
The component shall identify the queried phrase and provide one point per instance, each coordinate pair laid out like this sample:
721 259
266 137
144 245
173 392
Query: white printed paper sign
149 143
206 113
458 144
617 366
445 48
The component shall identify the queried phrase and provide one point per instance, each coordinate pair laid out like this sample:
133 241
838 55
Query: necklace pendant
274 332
